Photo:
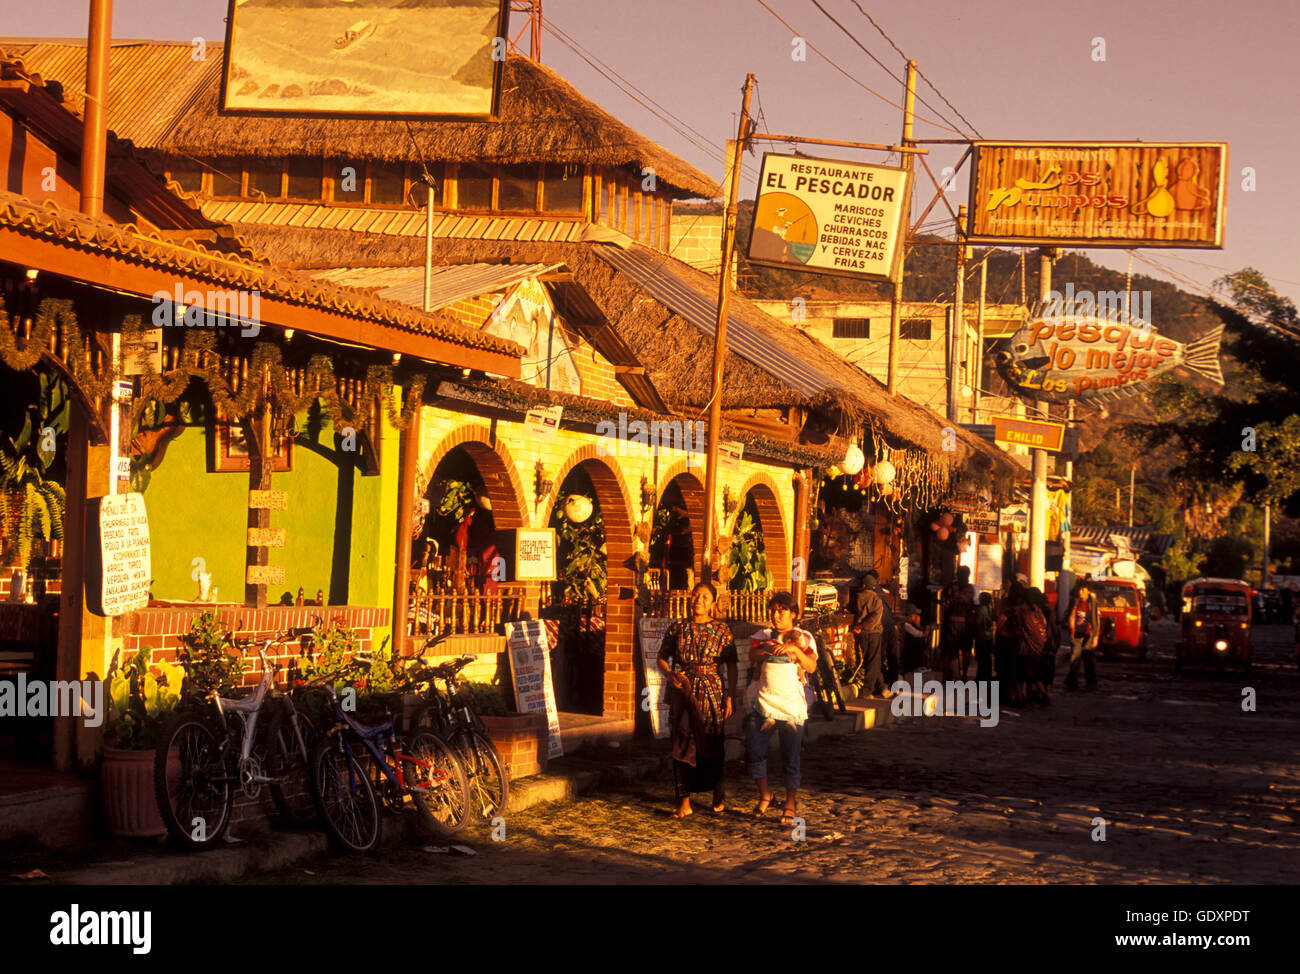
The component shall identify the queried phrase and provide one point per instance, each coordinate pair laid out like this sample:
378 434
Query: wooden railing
467 612
737 606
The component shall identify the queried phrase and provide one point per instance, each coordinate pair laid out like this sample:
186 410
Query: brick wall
697 240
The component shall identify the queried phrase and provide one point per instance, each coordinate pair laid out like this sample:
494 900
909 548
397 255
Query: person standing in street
957 604
1083 618
985 629
699 658
868 633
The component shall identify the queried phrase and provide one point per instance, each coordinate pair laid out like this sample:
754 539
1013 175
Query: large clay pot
126 780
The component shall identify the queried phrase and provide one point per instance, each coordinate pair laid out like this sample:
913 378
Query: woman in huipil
699 659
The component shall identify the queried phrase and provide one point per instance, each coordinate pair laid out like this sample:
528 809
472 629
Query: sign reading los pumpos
829 216
1099 194
1038 433
118 571
1084 357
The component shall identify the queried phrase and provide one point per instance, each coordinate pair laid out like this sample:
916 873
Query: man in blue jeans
799 647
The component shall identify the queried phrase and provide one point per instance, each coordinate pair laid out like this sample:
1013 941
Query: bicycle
451 716
200 757
425 774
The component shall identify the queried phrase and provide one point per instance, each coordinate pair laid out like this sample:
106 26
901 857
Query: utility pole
979 341
958 337
1038 496
1132 476
1263 568
720 329
896 301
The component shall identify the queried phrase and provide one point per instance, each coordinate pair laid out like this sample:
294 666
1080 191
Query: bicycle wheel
191 782
438 785
489 782
343 796
289 762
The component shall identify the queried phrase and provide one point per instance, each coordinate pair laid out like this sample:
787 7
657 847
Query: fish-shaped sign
1083 357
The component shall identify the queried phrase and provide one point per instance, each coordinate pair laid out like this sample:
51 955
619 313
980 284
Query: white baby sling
780 693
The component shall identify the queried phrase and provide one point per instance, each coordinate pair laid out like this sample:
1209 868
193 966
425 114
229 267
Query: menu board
118 572
535 555
530 668
651 632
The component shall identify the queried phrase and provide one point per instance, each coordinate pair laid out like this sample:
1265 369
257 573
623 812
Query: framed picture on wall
230 450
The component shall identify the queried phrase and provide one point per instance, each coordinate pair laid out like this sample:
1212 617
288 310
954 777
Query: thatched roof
677 356
175 108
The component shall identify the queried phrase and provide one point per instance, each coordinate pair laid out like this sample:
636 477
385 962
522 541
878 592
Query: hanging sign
1037 433
730 453
1082 357
543 423
651 632
829 216
118 571
142 352
1098 194
530 668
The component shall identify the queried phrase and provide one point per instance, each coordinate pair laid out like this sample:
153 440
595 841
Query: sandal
788 815
761 807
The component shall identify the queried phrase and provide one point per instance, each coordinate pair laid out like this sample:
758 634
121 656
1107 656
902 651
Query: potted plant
31 501
140 699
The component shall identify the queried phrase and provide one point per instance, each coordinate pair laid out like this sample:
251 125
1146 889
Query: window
188 176
304 179
388 182
349 180
418 192
851 328
474 188
917 329
226 178
562 188
517 188
266 178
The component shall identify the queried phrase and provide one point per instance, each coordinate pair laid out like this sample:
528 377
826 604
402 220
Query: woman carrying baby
780 659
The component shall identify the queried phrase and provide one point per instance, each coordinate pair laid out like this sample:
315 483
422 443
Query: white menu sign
652 631
530 668
118 571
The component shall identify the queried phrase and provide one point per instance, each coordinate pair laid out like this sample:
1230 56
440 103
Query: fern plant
747 558
31 506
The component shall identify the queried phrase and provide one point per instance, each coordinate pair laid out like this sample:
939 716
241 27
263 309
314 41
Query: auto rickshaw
1123 619
1216 623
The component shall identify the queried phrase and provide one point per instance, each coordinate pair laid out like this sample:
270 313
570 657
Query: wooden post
896 300
95 127
979 342
720 332
958 337
1038 495
407 471
799 574
257 434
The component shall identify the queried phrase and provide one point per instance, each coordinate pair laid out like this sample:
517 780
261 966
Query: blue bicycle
356 767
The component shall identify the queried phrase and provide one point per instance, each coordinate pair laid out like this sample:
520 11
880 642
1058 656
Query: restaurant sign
1099 194
535 555
1037 433
829 216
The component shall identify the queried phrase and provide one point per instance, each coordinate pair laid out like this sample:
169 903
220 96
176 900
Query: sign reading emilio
1103 194
118 572
1038 433
829 216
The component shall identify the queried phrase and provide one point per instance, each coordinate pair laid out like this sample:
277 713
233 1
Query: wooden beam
408 469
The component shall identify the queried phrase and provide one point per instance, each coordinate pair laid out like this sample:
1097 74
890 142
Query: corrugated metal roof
151 85
448 284
390 222
656 276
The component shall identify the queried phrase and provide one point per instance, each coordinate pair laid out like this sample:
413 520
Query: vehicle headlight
1198 623
1221 645
1245 625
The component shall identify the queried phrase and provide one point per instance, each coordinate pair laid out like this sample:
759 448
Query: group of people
698 657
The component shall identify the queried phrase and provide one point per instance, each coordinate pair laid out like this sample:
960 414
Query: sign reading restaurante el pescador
828 215
1098 194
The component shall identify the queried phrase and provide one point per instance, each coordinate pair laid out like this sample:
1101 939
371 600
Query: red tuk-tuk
1120 602
1216 623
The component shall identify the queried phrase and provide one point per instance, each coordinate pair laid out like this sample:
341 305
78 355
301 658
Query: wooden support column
800 537
257 433
408 469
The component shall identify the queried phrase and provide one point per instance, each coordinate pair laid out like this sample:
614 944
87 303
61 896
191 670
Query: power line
861 84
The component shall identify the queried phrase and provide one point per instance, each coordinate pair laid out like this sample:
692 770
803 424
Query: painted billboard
829 216
369 57
1099 194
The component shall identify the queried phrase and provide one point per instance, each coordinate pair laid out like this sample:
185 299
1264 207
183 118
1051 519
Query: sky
1173 70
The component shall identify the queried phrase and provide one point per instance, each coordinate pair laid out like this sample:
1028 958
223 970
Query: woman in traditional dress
693 656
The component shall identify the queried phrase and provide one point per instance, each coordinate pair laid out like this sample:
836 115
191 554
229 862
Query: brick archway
692 488
772 521
495 466
618 698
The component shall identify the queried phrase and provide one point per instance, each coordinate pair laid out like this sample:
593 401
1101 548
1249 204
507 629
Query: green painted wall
196 514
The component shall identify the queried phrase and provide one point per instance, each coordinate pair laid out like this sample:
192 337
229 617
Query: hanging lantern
834 471
945 520
885 472
943 534
853 460
577 508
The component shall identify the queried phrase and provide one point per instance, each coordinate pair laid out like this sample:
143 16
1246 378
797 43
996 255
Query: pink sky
1194 70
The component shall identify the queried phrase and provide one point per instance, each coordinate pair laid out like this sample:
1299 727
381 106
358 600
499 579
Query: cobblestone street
1192 790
